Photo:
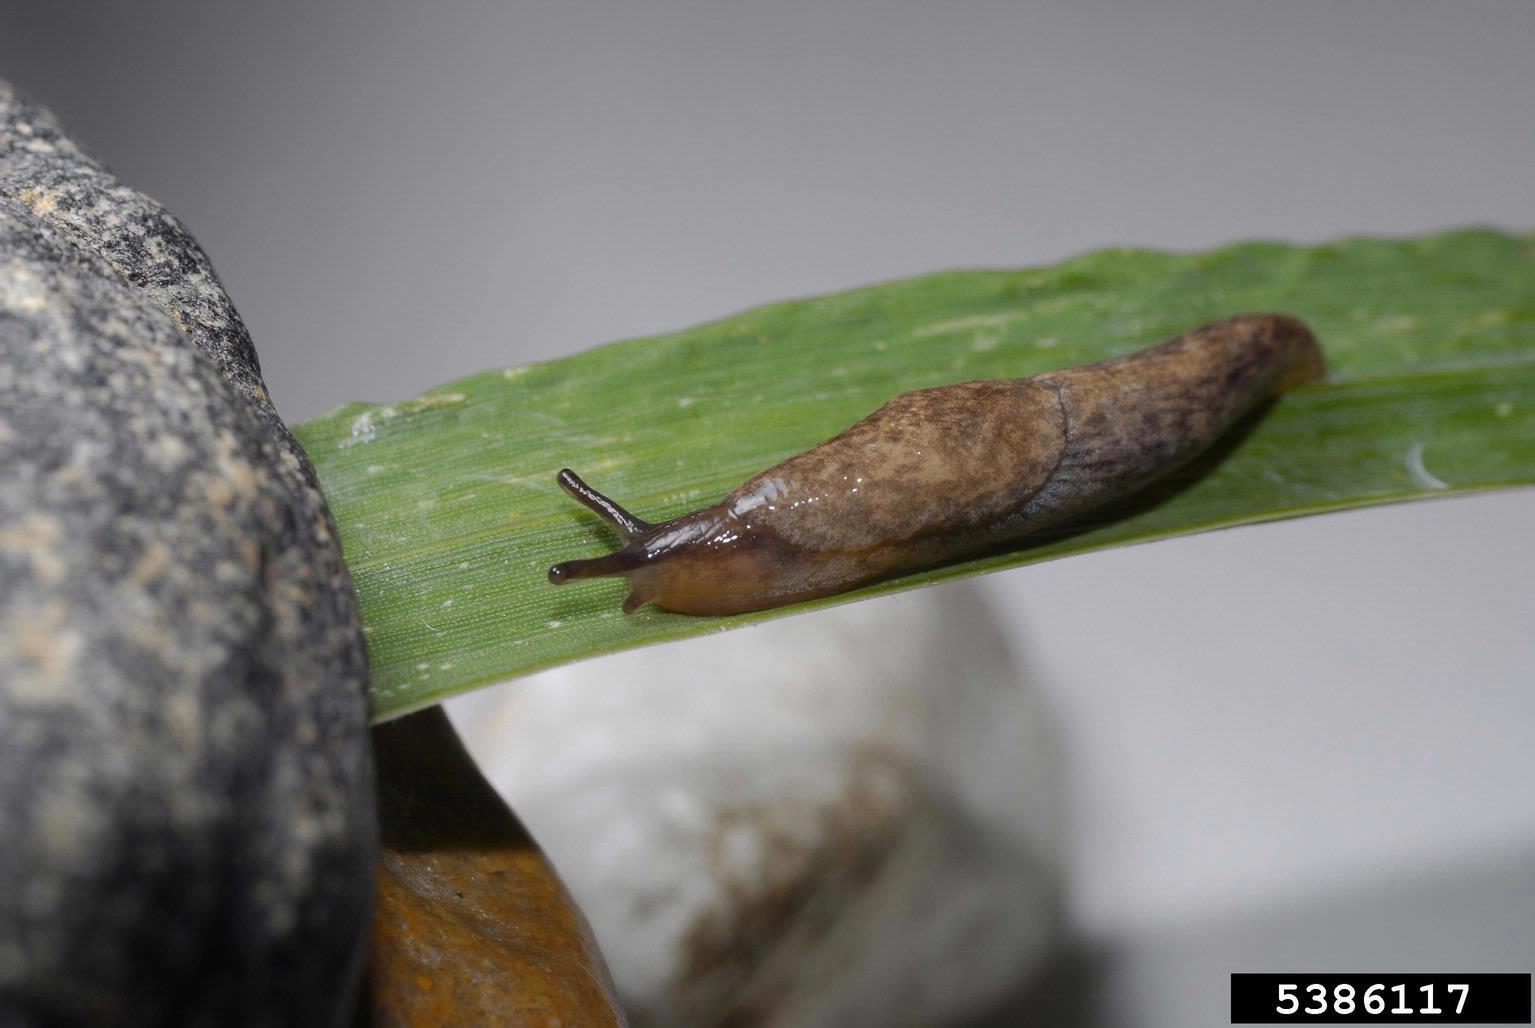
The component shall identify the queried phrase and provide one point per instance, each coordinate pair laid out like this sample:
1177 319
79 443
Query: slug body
939 474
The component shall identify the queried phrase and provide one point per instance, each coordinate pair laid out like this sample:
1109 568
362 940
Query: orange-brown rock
474 927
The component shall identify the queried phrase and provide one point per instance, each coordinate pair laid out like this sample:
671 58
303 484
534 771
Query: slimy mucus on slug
939 474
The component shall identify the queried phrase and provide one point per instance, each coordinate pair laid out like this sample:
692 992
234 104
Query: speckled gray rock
186 814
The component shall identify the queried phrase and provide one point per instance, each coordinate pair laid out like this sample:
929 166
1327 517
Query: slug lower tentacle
939 474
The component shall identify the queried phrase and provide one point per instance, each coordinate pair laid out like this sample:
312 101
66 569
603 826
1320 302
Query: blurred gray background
1303 745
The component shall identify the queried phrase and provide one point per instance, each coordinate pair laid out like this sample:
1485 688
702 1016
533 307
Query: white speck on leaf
363 426
972 321
1420 474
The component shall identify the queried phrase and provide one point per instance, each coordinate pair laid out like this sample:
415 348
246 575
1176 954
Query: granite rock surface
185 781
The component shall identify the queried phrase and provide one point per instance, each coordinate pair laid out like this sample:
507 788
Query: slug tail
1306 361
625 524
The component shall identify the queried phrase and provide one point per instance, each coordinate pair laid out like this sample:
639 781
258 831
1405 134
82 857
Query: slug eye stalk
628 527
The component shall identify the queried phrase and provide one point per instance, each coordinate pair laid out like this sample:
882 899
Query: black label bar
1380 998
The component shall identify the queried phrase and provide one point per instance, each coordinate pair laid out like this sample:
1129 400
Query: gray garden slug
939 474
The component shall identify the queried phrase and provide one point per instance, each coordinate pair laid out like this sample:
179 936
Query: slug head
706 562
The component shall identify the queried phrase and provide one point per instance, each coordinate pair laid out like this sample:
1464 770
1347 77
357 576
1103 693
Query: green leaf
450 516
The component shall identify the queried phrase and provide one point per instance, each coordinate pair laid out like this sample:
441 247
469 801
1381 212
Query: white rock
841 818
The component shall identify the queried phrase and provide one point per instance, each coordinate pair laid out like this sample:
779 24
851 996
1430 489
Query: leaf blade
450 516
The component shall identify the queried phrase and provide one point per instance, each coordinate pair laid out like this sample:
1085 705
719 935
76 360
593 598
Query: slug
940 474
